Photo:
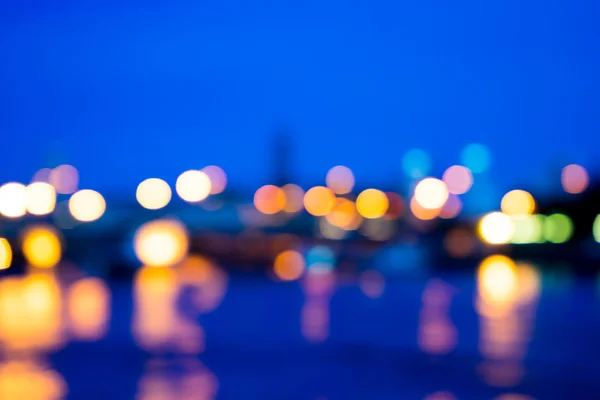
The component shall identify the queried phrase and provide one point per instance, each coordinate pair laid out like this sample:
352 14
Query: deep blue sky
151 88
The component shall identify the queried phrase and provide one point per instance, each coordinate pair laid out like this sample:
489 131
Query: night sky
126 92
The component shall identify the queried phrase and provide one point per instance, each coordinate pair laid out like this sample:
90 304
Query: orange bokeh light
343 215
422 213
269 199
289 265
294 196
319 201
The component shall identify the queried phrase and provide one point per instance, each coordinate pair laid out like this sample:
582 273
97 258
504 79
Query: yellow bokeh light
319 201
42 247
497 279
372 203
458 179
294 196
88 308
340 179
5 254
344 213
518 202
13 200
422 213
161 242
574 179
193 186
153 194
87 205
269 199
289 265
218 178
41 198
64 178
431 193
496 228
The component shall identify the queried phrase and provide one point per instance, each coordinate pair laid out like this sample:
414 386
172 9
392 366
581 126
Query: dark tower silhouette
281 157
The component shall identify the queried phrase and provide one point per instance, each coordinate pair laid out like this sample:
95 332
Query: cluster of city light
500 228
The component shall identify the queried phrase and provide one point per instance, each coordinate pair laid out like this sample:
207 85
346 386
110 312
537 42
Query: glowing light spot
193 186
416 163
458 179
65 179
596 228
528 229
422 213
558 228
161 243
340 180
476 157
13 200
41 198
372 203
294 196
497 279
343 214
372 284
459 243
517 202
574 179
496 228
25 379
5 254
289 265
87 205
43 175
319 201
431 193
269 199
218 178
396 206
320 257
451 208
88 308
153 194
41 247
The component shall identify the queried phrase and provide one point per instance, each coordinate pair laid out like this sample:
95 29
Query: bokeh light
458 179
372 283
294 196
528 229
269 199
574 179
331 232
87 205
416 163
162 242
5 254
340 179
319 201
193 186
496 228
13 200
517 202
396 206
451 208
460 243
65 179
289 265
372 203
431 193
41 246
24 379
218 178
43 175
558 228
41 198
476 157
153 194
497 279
344 213
88 307
422 213
596 228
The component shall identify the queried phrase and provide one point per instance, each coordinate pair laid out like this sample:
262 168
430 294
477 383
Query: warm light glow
163 242
87 205
496 228
424 214
416 163
518 202
497 279
294 196
193 186
65 179
13 200
88 308
343 215
340 179
458 179
596 228
41 198
476 157
218 178
396 206
153 194
451 208
574 179
289 265
431 193
269 199
528 229
319 201
5 254
24 379
372 203
558 228
41 247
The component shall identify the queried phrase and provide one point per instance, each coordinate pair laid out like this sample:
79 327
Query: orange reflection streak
437 334
318 287
208 281
27 380
88 307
